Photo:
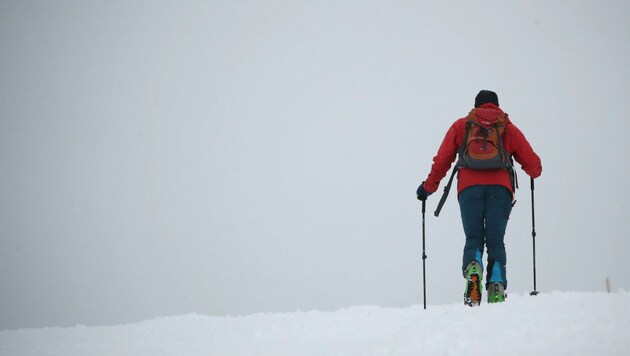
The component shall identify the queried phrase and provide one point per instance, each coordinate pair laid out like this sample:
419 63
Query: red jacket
513 140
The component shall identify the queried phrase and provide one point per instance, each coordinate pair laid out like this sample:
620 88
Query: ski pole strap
447 188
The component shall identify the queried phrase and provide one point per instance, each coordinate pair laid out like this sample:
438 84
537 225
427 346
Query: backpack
482 148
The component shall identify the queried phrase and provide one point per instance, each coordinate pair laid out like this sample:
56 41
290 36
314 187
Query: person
485 198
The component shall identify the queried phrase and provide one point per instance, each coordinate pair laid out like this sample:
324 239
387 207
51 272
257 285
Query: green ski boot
496 293
473 274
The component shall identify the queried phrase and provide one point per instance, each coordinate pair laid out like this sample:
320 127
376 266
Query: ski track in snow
558 323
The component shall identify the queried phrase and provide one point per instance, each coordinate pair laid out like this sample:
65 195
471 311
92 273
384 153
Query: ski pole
534 292
424 258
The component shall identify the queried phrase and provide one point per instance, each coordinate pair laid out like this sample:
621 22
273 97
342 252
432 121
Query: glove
422 193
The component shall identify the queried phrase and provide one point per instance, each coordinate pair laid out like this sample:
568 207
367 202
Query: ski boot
496 292
473 274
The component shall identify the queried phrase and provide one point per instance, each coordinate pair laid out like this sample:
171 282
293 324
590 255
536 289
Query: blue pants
485 211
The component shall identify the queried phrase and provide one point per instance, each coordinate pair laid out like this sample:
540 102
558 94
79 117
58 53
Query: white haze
231 157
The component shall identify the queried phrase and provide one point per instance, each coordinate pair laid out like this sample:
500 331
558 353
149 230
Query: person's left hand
421 193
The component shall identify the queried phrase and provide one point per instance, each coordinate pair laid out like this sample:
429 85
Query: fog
232 157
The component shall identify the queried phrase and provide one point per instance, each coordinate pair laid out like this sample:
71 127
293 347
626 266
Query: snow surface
559 323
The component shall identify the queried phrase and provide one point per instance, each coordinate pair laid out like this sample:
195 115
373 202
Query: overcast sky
232 157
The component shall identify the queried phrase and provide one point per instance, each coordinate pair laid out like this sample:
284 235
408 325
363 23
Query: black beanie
486 96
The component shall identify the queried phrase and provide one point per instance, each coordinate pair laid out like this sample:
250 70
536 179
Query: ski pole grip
532 182
424 206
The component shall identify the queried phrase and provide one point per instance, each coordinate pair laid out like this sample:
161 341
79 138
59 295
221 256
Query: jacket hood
488 114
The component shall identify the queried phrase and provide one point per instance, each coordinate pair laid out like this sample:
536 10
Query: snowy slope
572 323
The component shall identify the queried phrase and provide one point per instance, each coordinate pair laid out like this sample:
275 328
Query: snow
558 323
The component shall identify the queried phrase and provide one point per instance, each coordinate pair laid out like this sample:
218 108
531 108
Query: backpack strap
462 147
460 154
460 164
447 189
